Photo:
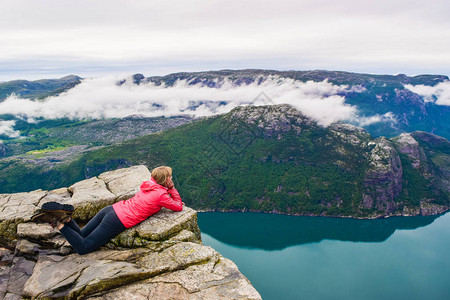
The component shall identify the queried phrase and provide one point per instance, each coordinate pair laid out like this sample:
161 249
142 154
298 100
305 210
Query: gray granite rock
15 209
125 183
167 223
11 296
216 279
428 209
19 206
13 275
383 178
25 247
19 274
147 290
61 195
89 196
75 276
35 231
176 257
162 230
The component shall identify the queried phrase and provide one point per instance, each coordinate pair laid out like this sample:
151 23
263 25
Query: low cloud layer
439 93
99 98
388 117
7 129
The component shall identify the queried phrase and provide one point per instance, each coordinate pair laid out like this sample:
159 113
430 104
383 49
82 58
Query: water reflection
275 232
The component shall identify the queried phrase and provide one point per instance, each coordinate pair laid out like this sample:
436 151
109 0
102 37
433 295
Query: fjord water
292 257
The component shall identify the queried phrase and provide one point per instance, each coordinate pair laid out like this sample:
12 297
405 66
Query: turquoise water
288 257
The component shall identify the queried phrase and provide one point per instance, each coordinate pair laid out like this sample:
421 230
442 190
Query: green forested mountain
272 159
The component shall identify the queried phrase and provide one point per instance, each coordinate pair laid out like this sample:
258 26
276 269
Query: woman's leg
72 224
95 221
108 226
90 226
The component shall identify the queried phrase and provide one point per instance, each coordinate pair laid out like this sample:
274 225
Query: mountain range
371 94
390 99
272 159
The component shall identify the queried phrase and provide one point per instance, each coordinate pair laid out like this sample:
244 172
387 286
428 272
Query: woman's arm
172 200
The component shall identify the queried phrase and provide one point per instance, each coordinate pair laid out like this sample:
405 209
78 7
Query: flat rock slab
61 195
129 255
89 196
20 205
26 247
177 257
19 274
90 190
166 227
35 231
125 183
216 279
221 279
148 290
167 223
13 277
74 277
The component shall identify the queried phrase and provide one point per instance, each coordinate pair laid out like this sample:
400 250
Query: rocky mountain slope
161 258
275 159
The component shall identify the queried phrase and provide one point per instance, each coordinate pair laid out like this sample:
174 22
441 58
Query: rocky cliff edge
161 258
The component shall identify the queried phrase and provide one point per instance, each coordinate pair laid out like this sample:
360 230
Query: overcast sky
53 38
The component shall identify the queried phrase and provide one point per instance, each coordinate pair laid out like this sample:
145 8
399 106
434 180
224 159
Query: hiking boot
55 206
62 211
45 217
42 217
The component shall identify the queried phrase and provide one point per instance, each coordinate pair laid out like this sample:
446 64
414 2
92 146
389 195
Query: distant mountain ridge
37 89
251 75
372 95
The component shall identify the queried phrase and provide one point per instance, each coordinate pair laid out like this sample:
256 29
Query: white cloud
439 93
7 128
385 118
103 98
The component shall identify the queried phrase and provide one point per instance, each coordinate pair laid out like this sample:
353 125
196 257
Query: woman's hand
169 183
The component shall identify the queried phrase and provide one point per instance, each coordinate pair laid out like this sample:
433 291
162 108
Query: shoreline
325 216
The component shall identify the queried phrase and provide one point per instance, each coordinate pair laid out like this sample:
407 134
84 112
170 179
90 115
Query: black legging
98 231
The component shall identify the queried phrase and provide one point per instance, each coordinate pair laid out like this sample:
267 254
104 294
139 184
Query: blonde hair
161 174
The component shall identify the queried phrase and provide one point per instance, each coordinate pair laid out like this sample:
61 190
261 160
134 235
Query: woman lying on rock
158 192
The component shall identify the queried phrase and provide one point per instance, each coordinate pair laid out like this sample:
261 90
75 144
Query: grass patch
49 149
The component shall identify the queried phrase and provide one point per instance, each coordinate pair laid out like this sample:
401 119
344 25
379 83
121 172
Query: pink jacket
146 202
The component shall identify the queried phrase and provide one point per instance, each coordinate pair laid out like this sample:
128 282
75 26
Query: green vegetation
416 187
64 132
50 148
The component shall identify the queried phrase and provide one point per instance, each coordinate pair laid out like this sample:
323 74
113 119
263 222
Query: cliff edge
161 258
